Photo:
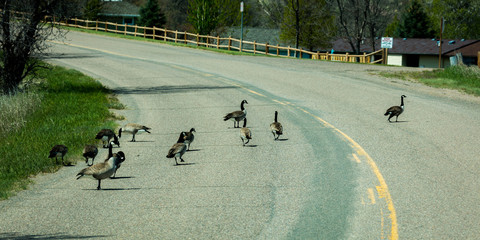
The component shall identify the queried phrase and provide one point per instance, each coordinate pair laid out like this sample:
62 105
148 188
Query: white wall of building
395 59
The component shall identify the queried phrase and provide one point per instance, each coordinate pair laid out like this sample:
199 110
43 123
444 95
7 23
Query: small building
119 11
416 52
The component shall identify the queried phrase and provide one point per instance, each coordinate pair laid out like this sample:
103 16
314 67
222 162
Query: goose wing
276 127
246 133
235 114
393 109
176 148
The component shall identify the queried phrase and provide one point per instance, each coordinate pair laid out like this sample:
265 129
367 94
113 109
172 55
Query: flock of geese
112 163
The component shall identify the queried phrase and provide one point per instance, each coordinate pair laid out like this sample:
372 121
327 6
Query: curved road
341 170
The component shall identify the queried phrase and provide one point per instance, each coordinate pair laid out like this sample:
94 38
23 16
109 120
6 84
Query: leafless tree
24 28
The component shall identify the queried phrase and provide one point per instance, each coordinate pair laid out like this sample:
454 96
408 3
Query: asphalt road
341 170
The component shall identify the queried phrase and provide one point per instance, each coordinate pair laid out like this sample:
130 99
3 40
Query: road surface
340 171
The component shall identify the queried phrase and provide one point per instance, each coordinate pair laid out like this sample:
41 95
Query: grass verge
66 107
462 78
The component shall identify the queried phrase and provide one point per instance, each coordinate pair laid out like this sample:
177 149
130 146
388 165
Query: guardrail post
288 51
176 35
278 50
218 41
96 25
135 30
165 35
208 40
254 47
125 29
266 49
198 43
185 36
229 42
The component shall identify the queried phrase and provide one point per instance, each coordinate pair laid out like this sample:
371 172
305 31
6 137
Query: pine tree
414 22
151 15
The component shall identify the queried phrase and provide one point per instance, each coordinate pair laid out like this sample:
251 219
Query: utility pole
442 22
241 26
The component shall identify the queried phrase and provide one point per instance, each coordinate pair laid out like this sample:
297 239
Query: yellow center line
356 158
371 195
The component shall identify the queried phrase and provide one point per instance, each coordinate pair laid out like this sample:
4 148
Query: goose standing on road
103 170
58 151
118 164
245 133
276 127
189 137
178 149
237 116
90 151
395 111
106 135
133 129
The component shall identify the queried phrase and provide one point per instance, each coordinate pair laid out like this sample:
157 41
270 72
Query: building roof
120 8
418 46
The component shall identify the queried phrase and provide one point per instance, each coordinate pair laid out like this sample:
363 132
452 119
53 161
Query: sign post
241 26
387 42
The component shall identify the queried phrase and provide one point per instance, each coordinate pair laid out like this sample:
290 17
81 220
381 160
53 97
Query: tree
92 9
151 15
176 14
462 18
274 11
414 23
208 16
308 23
23 32
353 19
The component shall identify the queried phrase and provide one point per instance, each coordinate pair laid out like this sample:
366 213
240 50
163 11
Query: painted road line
371 196
355 157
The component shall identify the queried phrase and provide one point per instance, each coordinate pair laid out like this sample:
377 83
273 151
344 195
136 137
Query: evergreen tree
92 9
414 23
151 15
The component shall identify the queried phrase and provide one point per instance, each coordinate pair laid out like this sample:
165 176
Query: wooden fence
229 43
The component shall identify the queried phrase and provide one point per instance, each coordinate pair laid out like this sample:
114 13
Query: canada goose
90 151
58 151
133 129
245 133
106 135
189 137
178 149
276 127
103 170
237 116
395 111
118 164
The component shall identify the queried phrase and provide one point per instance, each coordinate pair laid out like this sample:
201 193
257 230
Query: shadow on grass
16 235
167 89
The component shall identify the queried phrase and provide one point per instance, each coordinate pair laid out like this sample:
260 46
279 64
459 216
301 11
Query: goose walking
178 149
133 128
118 164
245 133
189 137
276 127
58 151
90 151
103 170
237 116
395 111
106 135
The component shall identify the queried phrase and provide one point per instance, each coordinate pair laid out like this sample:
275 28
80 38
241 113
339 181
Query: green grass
66 107
462 78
